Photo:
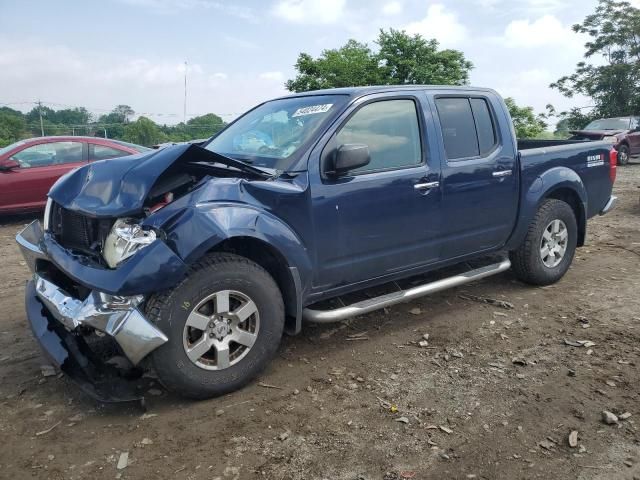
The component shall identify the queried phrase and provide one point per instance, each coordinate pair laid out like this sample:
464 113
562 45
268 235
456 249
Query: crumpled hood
597 134
119 187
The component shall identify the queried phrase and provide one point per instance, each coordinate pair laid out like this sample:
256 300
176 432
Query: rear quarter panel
582 168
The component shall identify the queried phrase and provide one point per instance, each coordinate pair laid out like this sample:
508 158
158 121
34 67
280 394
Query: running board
371 304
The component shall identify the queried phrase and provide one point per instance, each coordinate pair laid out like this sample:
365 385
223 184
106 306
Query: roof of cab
369 90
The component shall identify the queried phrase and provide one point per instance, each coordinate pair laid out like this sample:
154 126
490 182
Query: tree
352 64
13 126
401 59
144 132
525 121
406 59
614 86
119 114
205 125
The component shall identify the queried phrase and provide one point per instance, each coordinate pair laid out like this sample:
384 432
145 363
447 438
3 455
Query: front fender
196 229
548 185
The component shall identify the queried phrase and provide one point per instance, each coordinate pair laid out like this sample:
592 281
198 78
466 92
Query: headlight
125 239
47 214
611 139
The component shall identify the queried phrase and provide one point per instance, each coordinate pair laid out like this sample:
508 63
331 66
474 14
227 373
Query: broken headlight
124 240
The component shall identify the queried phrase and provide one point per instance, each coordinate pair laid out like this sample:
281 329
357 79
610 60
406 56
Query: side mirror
7 165
350 156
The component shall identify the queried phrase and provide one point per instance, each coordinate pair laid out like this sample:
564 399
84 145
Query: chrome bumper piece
613 201
116 316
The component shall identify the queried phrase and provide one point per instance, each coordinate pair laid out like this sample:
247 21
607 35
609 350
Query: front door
40 166
384 217
479 176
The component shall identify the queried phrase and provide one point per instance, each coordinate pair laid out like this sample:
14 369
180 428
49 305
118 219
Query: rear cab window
468 127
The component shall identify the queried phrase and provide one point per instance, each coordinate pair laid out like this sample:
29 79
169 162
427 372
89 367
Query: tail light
613 164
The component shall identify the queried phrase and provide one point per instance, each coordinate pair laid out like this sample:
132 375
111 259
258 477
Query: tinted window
458 127
53 153
484 125
137 148
391 131
101 152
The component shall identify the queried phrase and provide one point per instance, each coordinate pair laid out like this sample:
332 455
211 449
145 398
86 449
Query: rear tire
623 155
549 245
224 322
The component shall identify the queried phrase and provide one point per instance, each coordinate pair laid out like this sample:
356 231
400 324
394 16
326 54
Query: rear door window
102 152
484 125
468 129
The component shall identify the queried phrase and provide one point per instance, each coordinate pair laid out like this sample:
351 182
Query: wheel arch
560 183
571 197
275 263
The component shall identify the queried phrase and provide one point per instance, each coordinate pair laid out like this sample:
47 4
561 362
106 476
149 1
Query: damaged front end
116 232
96 338
95 262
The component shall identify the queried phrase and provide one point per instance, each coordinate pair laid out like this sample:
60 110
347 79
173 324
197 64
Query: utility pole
40 114
184 111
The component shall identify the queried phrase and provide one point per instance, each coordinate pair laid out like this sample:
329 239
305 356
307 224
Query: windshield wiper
208 156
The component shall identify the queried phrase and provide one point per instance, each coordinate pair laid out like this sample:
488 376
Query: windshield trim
294 159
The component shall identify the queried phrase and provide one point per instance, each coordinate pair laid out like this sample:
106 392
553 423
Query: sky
94 54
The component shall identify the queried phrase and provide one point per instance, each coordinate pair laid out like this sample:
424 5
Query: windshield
11 147
272 134
609 124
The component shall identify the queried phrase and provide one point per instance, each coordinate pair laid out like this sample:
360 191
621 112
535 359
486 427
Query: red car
29 168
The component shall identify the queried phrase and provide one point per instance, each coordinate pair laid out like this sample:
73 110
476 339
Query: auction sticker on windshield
313 109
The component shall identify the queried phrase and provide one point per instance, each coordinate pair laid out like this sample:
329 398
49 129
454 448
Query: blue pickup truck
192 261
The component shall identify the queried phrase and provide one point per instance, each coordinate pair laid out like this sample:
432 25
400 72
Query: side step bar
371 304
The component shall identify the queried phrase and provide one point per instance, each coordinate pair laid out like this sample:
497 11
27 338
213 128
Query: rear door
479 175
382 218
40 166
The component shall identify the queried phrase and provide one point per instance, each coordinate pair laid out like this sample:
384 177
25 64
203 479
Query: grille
74 230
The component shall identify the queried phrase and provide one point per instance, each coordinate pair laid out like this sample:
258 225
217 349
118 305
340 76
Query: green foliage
401 59
144 132
12 126
613 85
525 121
406 59
352 64
15 125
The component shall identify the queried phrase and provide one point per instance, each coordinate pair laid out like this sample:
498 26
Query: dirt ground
495 394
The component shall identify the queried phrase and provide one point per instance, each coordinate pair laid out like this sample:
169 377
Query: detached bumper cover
115 316
68 352
611 203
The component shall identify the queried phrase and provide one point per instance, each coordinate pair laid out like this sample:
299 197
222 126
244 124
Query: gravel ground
496 394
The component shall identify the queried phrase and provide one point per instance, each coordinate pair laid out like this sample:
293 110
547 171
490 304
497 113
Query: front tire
549 246
224 322
623 155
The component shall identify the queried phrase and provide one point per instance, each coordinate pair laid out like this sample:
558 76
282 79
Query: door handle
502 173
426 186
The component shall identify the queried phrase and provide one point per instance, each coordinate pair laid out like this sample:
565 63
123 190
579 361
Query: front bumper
611 203
59 320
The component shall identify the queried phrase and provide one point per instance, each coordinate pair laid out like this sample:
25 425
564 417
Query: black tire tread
162 301
520 258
